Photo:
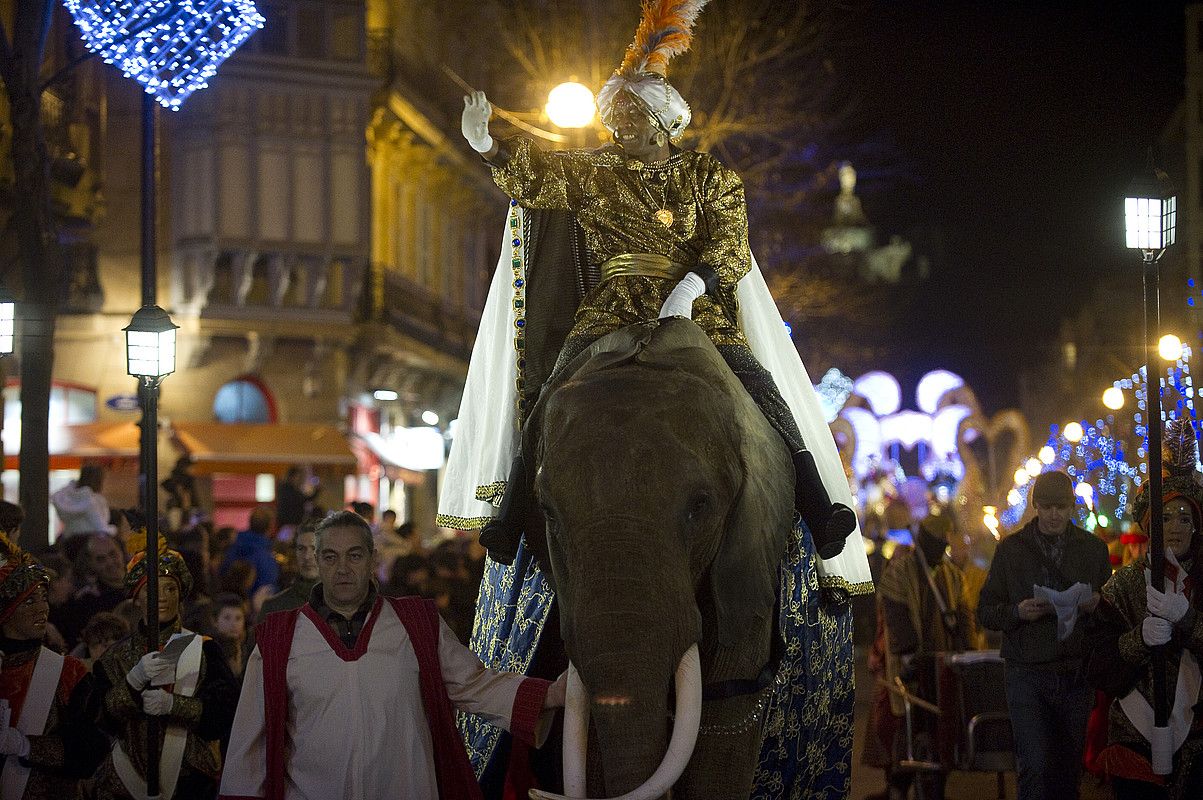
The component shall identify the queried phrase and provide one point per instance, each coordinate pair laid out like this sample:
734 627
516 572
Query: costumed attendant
353 695
193 695
48 735
1133 618
668 228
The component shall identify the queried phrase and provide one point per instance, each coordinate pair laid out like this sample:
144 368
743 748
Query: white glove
1155 631
680 300
1167 605
475 122
14 743
148 669
157 702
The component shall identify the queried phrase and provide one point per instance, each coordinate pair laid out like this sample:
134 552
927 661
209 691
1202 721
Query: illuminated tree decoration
171 48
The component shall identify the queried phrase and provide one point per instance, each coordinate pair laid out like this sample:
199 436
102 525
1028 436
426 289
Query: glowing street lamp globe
8 324
1150 212
1169 347
1073 432
1113 398
570 105
150 344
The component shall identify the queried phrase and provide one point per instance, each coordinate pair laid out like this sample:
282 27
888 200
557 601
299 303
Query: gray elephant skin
668 500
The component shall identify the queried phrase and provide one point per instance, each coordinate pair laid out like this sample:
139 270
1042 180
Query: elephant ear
743 575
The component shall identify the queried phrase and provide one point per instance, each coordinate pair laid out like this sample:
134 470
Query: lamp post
150 357
1151 218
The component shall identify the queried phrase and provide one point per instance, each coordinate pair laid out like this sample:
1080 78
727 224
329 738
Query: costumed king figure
1133 618
193 693
667 230
48 735
606 241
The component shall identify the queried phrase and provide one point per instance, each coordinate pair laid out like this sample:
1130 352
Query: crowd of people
78 610
1075 626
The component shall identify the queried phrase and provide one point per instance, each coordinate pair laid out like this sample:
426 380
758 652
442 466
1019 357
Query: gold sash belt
649 265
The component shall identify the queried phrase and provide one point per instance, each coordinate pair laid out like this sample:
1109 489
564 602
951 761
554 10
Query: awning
72 445
386 455
219 447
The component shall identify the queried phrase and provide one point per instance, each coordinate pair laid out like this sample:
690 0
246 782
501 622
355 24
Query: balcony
427 317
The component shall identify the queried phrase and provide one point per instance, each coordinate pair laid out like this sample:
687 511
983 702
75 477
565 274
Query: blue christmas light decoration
170 47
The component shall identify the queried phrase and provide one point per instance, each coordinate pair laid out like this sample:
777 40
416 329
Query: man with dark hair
254 546
353 694
1043 645
305 548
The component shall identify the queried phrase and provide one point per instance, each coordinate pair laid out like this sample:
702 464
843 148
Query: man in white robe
351 696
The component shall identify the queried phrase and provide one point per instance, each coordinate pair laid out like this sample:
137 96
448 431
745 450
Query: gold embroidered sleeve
119 701
726 248
47 751
185 710
1132 649
538 179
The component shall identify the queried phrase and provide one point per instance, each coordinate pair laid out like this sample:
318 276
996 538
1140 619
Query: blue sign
123 402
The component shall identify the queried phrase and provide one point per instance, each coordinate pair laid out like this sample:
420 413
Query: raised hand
475 122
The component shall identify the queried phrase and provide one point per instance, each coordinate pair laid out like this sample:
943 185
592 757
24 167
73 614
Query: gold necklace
661 214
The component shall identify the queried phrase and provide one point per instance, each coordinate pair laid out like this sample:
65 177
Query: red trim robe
455 778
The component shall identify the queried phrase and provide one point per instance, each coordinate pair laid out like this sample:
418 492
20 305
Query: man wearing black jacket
1047 696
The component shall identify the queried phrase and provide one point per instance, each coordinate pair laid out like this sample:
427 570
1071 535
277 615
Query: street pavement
961 785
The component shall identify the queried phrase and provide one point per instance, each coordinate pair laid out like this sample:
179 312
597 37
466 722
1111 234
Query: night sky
1016 127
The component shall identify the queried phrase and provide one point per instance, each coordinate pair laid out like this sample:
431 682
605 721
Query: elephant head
668 502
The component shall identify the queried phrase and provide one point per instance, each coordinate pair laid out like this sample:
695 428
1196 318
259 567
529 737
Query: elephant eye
699 508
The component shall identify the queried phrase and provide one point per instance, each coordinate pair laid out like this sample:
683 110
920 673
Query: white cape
487 435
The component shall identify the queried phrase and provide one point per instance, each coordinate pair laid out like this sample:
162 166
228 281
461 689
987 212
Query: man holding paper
48 739
1043 645
185 682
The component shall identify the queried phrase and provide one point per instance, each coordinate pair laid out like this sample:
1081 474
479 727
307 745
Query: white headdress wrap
665 31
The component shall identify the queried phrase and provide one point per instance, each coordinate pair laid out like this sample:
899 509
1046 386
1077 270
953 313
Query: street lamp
150 357
8 323
1169 347
1113 398
570 105
1151 221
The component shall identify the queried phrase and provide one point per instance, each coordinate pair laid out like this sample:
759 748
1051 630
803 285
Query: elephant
668 503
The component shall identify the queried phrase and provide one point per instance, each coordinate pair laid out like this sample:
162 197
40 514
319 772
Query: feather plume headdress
20 576
665 31
171 564
1180 476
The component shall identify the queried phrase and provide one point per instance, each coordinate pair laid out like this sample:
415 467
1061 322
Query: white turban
652 91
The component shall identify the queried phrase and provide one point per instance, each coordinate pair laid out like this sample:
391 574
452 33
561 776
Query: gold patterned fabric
616 202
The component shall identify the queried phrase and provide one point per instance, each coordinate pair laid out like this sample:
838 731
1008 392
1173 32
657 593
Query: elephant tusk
576 734
680 746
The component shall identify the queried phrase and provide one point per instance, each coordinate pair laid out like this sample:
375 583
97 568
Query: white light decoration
8 324
171 47
906 428
1073 433
1170 347
833 390
933 386
150 344
570 105
385 395
1047 455
430 418
1033 466
1022 477
881 390
418 448
1113 398
1014 498
1151 212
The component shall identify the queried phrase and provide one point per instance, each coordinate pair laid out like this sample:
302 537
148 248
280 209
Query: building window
346 36
244 399
311 32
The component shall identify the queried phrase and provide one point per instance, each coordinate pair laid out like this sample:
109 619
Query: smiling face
1179 526
28 621
344 563
635 131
